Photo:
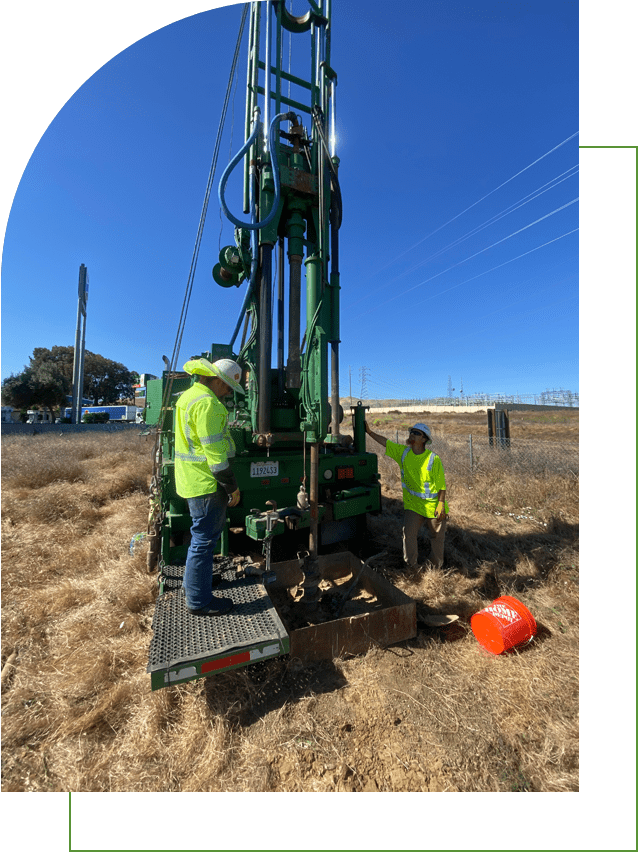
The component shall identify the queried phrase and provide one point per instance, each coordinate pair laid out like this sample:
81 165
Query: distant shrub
96 417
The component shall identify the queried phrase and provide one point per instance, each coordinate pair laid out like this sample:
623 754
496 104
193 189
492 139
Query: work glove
233 500
439 512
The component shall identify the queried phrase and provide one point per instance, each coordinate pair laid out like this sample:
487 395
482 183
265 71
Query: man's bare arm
378 438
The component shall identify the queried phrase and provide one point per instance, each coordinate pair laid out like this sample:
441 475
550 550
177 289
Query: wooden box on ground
392 620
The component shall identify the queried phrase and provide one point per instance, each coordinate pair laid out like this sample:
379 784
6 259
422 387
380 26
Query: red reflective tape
233 660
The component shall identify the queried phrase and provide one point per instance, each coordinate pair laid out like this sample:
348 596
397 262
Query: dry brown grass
434 713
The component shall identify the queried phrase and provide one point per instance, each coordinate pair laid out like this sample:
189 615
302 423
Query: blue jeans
208 513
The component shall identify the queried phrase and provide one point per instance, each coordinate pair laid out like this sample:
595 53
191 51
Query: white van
39 416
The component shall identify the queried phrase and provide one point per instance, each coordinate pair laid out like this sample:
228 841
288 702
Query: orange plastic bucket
503 625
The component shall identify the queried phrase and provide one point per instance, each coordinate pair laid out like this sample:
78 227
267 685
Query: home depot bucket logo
503 612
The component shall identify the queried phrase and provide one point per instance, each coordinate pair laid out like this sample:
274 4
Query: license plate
260 469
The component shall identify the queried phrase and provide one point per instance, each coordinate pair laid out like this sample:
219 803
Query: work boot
218 606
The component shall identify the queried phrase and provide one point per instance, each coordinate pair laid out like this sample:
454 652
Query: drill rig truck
301 476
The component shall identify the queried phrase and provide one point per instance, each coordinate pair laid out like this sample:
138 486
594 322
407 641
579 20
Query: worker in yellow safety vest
203 447
423 484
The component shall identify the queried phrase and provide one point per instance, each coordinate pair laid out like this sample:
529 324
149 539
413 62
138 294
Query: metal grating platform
180 637
172 576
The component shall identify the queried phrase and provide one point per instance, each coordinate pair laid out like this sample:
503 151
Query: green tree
51 376
107 380
17 390
48 380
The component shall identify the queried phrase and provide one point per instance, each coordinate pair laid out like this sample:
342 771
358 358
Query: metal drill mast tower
292 198
289 449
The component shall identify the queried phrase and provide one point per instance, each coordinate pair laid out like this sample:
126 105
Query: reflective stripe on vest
187 430
211 439
217 468
230 451
189 457
427 494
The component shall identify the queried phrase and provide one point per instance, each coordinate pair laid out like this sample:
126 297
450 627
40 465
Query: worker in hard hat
423 483
203 474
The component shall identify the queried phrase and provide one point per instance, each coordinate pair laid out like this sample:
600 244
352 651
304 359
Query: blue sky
459 258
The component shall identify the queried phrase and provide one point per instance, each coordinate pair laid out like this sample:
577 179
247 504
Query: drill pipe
280 320
293 368
314 500
265 339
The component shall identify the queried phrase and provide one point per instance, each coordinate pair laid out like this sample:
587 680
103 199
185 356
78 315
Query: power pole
78 352
363 373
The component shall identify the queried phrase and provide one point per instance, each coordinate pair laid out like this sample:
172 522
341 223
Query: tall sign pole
78 352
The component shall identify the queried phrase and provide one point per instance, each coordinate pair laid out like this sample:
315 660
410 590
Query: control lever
272 518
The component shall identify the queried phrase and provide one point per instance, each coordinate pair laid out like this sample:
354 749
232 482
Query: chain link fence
546 399
476 453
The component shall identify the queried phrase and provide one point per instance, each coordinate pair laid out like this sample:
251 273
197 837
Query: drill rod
314 500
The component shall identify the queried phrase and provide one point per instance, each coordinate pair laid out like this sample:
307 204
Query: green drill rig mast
287 428
291 193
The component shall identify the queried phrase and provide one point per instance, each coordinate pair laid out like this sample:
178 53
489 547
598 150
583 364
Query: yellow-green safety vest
203 443
422 477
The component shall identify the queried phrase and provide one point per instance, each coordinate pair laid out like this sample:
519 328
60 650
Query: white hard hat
225 369
423 428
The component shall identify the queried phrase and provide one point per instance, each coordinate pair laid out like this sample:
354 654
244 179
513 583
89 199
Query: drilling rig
299 472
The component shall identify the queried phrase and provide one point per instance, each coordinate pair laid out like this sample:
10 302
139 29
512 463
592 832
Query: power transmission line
518 257
526 199
487 248
551 151
496 218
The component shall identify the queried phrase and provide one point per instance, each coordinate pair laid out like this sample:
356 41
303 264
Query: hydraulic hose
254 263
256 226
252 225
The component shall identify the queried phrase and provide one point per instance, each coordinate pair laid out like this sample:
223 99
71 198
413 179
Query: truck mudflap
186 647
